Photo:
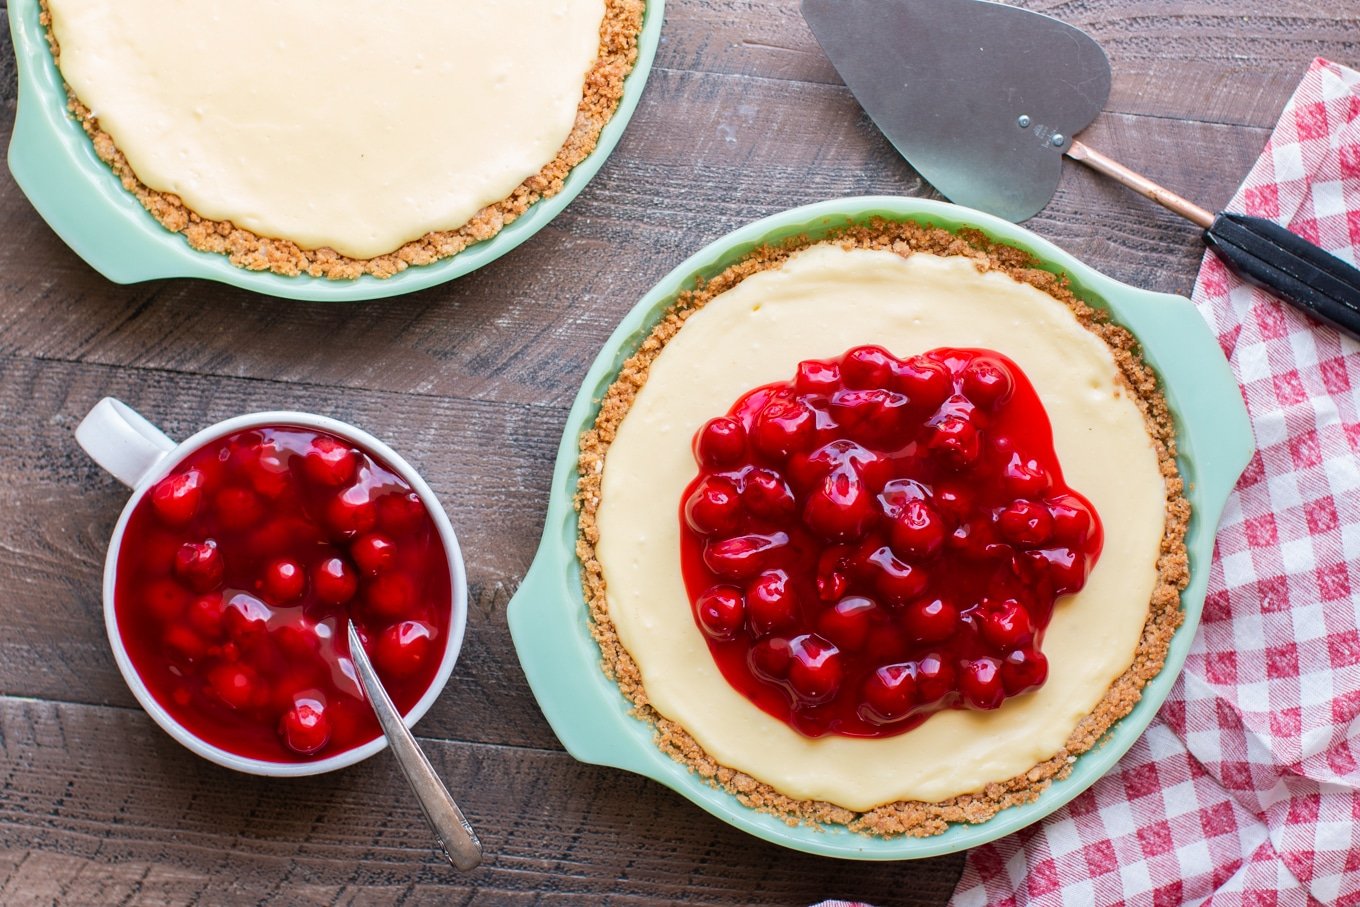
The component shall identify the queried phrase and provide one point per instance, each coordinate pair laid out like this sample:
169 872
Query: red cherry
769 659
330 461
888 694
400 513
897 493
934 678
721 612
926 383
351 512
817 377
1022 670
200 565
334 581
840 508
165 599
956 442
1071 520
846 624
714 507
205 616
1025 523
176 498
403 648
283 581
980 684
238 508
720 443
987 382
875 416
298 640
1067 569
1025 477
373 552
234 684
304 728
977 539
284 535
931 619
186 642
867 367
840 455
240 451
895 580
1005 624
918 531
833 579
815 671
954 502
743 556
268 471
878 470
246 618
771 603
766 495
782 427
391 595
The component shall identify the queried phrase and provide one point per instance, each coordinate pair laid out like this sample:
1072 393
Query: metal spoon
456 837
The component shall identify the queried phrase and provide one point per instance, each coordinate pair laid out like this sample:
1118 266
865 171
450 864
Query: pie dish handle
1212 425
561 660
84 205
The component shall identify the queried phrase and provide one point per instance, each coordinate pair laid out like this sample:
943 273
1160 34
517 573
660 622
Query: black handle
1289 266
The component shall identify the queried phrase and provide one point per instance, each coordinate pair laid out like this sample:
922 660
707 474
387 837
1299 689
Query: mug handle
122 441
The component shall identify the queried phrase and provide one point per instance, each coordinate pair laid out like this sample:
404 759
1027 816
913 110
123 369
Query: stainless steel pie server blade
982 99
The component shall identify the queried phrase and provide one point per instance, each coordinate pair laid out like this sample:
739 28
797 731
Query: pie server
984 99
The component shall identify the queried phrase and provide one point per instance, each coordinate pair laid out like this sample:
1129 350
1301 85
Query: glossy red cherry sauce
236 574
879 539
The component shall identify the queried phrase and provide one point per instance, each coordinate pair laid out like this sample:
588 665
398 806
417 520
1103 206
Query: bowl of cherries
236 566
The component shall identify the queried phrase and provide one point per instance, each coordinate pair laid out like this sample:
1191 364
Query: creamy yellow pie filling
336 124
817 304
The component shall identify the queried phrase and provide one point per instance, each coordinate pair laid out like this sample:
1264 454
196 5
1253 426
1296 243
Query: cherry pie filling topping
236 576
882 538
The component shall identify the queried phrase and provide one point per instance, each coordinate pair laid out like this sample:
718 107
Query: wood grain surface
471 381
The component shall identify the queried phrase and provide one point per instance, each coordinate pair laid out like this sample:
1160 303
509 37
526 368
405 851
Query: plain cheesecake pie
334 139
883 530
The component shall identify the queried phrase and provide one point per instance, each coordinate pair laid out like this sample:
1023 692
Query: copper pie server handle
456 837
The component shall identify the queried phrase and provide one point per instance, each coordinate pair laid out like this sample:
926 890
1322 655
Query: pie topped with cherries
883 530
339 139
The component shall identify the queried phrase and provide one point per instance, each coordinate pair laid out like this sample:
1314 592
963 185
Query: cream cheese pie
334 140
883 530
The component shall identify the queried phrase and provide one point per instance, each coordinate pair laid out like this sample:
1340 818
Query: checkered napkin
1244 789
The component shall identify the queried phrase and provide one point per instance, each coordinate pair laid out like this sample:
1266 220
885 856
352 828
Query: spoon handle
455 834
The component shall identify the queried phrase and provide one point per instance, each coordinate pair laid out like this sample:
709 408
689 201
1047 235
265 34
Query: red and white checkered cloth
1244 789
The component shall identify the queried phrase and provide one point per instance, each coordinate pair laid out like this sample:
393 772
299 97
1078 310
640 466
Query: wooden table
471 382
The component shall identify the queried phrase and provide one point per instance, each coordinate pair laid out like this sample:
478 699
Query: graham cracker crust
906 817
619 33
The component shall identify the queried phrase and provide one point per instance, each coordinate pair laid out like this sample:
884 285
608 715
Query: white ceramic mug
139 455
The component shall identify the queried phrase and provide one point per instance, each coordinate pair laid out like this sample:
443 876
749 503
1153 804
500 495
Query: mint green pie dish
548 615
55 165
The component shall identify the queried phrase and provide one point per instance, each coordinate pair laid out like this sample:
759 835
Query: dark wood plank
98 806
